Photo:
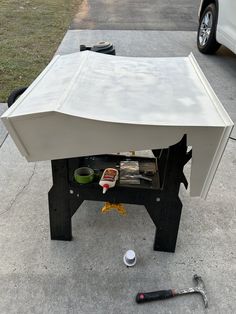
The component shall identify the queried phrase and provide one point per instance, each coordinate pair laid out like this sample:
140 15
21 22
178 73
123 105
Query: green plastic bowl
84 175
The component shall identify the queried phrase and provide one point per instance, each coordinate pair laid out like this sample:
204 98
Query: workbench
160 197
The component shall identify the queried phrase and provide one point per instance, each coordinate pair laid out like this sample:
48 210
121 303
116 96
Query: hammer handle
154 296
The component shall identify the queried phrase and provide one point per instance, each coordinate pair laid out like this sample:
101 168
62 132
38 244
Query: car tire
14 95
206 36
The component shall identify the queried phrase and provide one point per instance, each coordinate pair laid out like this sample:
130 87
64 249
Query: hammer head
200 288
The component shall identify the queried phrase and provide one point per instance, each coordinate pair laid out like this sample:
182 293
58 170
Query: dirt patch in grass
30 32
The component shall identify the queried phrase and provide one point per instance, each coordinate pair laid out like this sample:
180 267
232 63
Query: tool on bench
166 294
137 176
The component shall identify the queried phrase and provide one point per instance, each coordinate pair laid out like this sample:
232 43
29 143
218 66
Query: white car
217 25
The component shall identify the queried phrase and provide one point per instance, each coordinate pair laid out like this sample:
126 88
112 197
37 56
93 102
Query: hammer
166 294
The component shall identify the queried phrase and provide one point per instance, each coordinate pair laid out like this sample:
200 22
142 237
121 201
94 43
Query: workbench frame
163 205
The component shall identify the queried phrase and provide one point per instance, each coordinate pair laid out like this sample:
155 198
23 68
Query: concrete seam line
4 140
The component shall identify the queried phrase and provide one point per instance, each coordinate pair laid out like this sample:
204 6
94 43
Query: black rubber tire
211 45
14 95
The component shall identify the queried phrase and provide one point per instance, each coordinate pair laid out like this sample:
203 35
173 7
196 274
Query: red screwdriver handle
154 296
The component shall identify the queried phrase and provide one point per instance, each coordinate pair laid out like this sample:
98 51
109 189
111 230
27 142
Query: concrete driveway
87 275
138 14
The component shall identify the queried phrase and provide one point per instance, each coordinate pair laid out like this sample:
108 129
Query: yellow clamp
118 206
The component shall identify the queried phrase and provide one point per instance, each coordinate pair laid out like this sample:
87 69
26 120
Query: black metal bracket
161 199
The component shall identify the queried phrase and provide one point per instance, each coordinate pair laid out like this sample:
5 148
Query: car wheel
14 95
206 36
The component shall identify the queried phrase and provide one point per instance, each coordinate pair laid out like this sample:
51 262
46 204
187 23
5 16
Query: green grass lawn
30 32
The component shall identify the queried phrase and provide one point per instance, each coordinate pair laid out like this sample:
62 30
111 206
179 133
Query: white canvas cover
88 103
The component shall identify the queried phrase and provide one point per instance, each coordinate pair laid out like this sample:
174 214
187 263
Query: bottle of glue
108 179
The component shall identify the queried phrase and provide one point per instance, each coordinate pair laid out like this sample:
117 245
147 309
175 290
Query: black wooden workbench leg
171 162
59 209
167 226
